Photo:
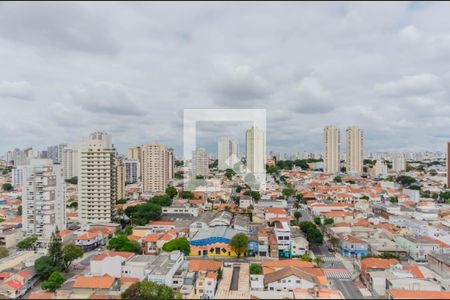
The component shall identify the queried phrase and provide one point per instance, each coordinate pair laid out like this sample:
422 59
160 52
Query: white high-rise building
97 194
379 169
155 167
70 161
255 150
132 170
17 176
354 151
227 153
200 163
55 153
43 200
398 163
171 163
331 151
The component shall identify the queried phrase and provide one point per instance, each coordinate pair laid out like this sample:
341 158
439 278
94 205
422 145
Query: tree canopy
239 243
142 214
54 282
7 187
122 243
171 192
229 173
313 234
70 253
181 244
148 290
255 269
27 243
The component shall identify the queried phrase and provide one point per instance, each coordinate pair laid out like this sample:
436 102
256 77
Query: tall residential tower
354 153
97 179
331 151
255 150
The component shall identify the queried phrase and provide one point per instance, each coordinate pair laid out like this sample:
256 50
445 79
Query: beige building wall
155 167
97 186
120 180
331 152
255 150
354 153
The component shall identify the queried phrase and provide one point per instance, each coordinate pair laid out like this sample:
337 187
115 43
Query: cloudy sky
130 69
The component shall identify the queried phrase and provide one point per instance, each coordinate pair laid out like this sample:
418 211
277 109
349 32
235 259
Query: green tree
254 194
142 214
186 195
181 244
239 243
162 200
328 221
229 173
406 180
54 282
70 253
393 199
289 191
317 220
318 261
3 252
433 172
255 269
55 251
148 290
27 243
313 234
44 266
338 179
19 210
179 175
73 180
305 257
7 187
171 191
297 215
334 242
121 201
414 187
122 243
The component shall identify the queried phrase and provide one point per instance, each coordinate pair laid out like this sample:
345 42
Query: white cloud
312 97
16 89
411 85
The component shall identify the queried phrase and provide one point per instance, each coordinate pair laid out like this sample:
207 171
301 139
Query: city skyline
395 84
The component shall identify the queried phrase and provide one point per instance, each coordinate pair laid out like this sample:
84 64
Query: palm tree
318 261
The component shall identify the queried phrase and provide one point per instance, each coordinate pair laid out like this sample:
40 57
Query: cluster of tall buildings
354 149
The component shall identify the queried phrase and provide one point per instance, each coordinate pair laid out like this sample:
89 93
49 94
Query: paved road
235 279
347 288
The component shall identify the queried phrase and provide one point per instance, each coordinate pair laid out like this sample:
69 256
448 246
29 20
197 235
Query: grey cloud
239 83
107 97
60 25
312 97
411 85
21 90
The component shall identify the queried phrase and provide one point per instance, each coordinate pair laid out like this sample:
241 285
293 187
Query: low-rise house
182 209
89 241
10 236
290 278
274 212
159 269
157 226
418 247
318 293
15 285
109 263
300 246
352 246
245 202
379 246
375 264
415 294
85 286
214 241
440 263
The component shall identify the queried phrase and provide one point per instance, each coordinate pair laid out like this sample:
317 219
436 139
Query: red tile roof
418 294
